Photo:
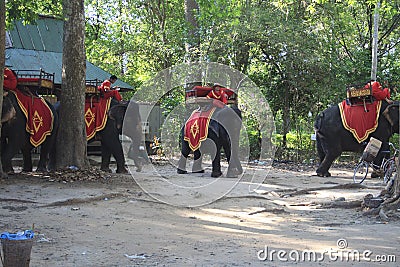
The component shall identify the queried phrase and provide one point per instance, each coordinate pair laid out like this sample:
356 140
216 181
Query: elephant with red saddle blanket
223 132
109 135
119 114
333 138
15 138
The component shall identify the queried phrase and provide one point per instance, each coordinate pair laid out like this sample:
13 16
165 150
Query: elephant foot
180 171
42 169
234 173
326 174
216 174
139 165
122 170
199 171
106 170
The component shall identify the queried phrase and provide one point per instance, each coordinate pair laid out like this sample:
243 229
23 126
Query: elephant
15 138
109 136
332 138
224 131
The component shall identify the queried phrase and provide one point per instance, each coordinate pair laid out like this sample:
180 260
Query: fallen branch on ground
309 190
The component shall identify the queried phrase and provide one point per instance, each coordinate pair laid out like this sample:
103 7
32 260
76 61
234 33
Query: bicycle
387 167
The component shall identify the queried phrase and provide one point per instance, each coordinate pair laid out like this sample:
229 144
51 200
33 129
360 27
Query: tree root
342 204
309 190
74 201
274 211
391 200
333 204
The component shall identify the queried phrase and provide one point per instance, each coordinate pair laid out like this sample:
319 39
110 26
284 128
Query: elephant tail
318 122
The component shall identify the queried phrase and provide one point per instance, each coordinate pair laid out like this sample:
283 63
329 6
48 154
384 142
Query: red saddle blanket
95 115
359 122
39 118
196 127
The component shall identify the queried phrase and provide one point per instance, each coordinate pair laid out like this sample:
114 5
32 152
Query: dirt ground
159 218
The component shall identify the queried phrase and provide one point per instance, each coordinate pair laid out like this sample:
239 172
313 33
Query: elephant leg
9 149
233 161
27 156
118 154
52 159
182 160
48 153
228 153
323 169
119 157
44 157
321 153
235 167
134 154
329 152
105 158
198 162
111 144
216 163
4 163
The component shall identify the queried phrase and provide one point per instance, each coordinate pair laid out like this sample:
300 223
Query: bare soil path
99 219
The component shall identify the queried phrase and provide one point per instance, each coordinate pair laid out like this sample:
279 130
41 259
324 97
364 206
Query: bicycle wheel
390 169
360 172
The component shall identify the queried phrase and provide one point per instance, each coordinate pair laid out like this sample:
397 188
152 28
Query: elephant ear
391 113
117 114
8 112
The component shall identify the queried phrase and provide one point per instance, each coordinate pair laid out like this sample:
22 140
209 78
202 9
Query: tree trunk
286 115
2 60
375 43
193 43
71 144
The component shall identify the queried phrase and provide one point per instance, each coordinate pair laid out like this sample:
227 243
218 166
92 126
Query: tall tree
71 145
2 60
193 38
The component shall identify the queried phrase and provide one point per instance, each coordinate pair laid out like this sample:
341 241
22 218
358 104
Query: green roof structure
40 46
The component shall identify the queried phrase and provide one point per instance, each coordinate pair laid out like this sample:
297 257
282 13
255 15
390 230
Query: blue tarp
23 235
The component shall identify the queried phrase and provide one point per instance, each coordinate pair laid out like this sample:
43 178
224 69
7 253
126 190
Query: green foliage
28 10
301 54
134 39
